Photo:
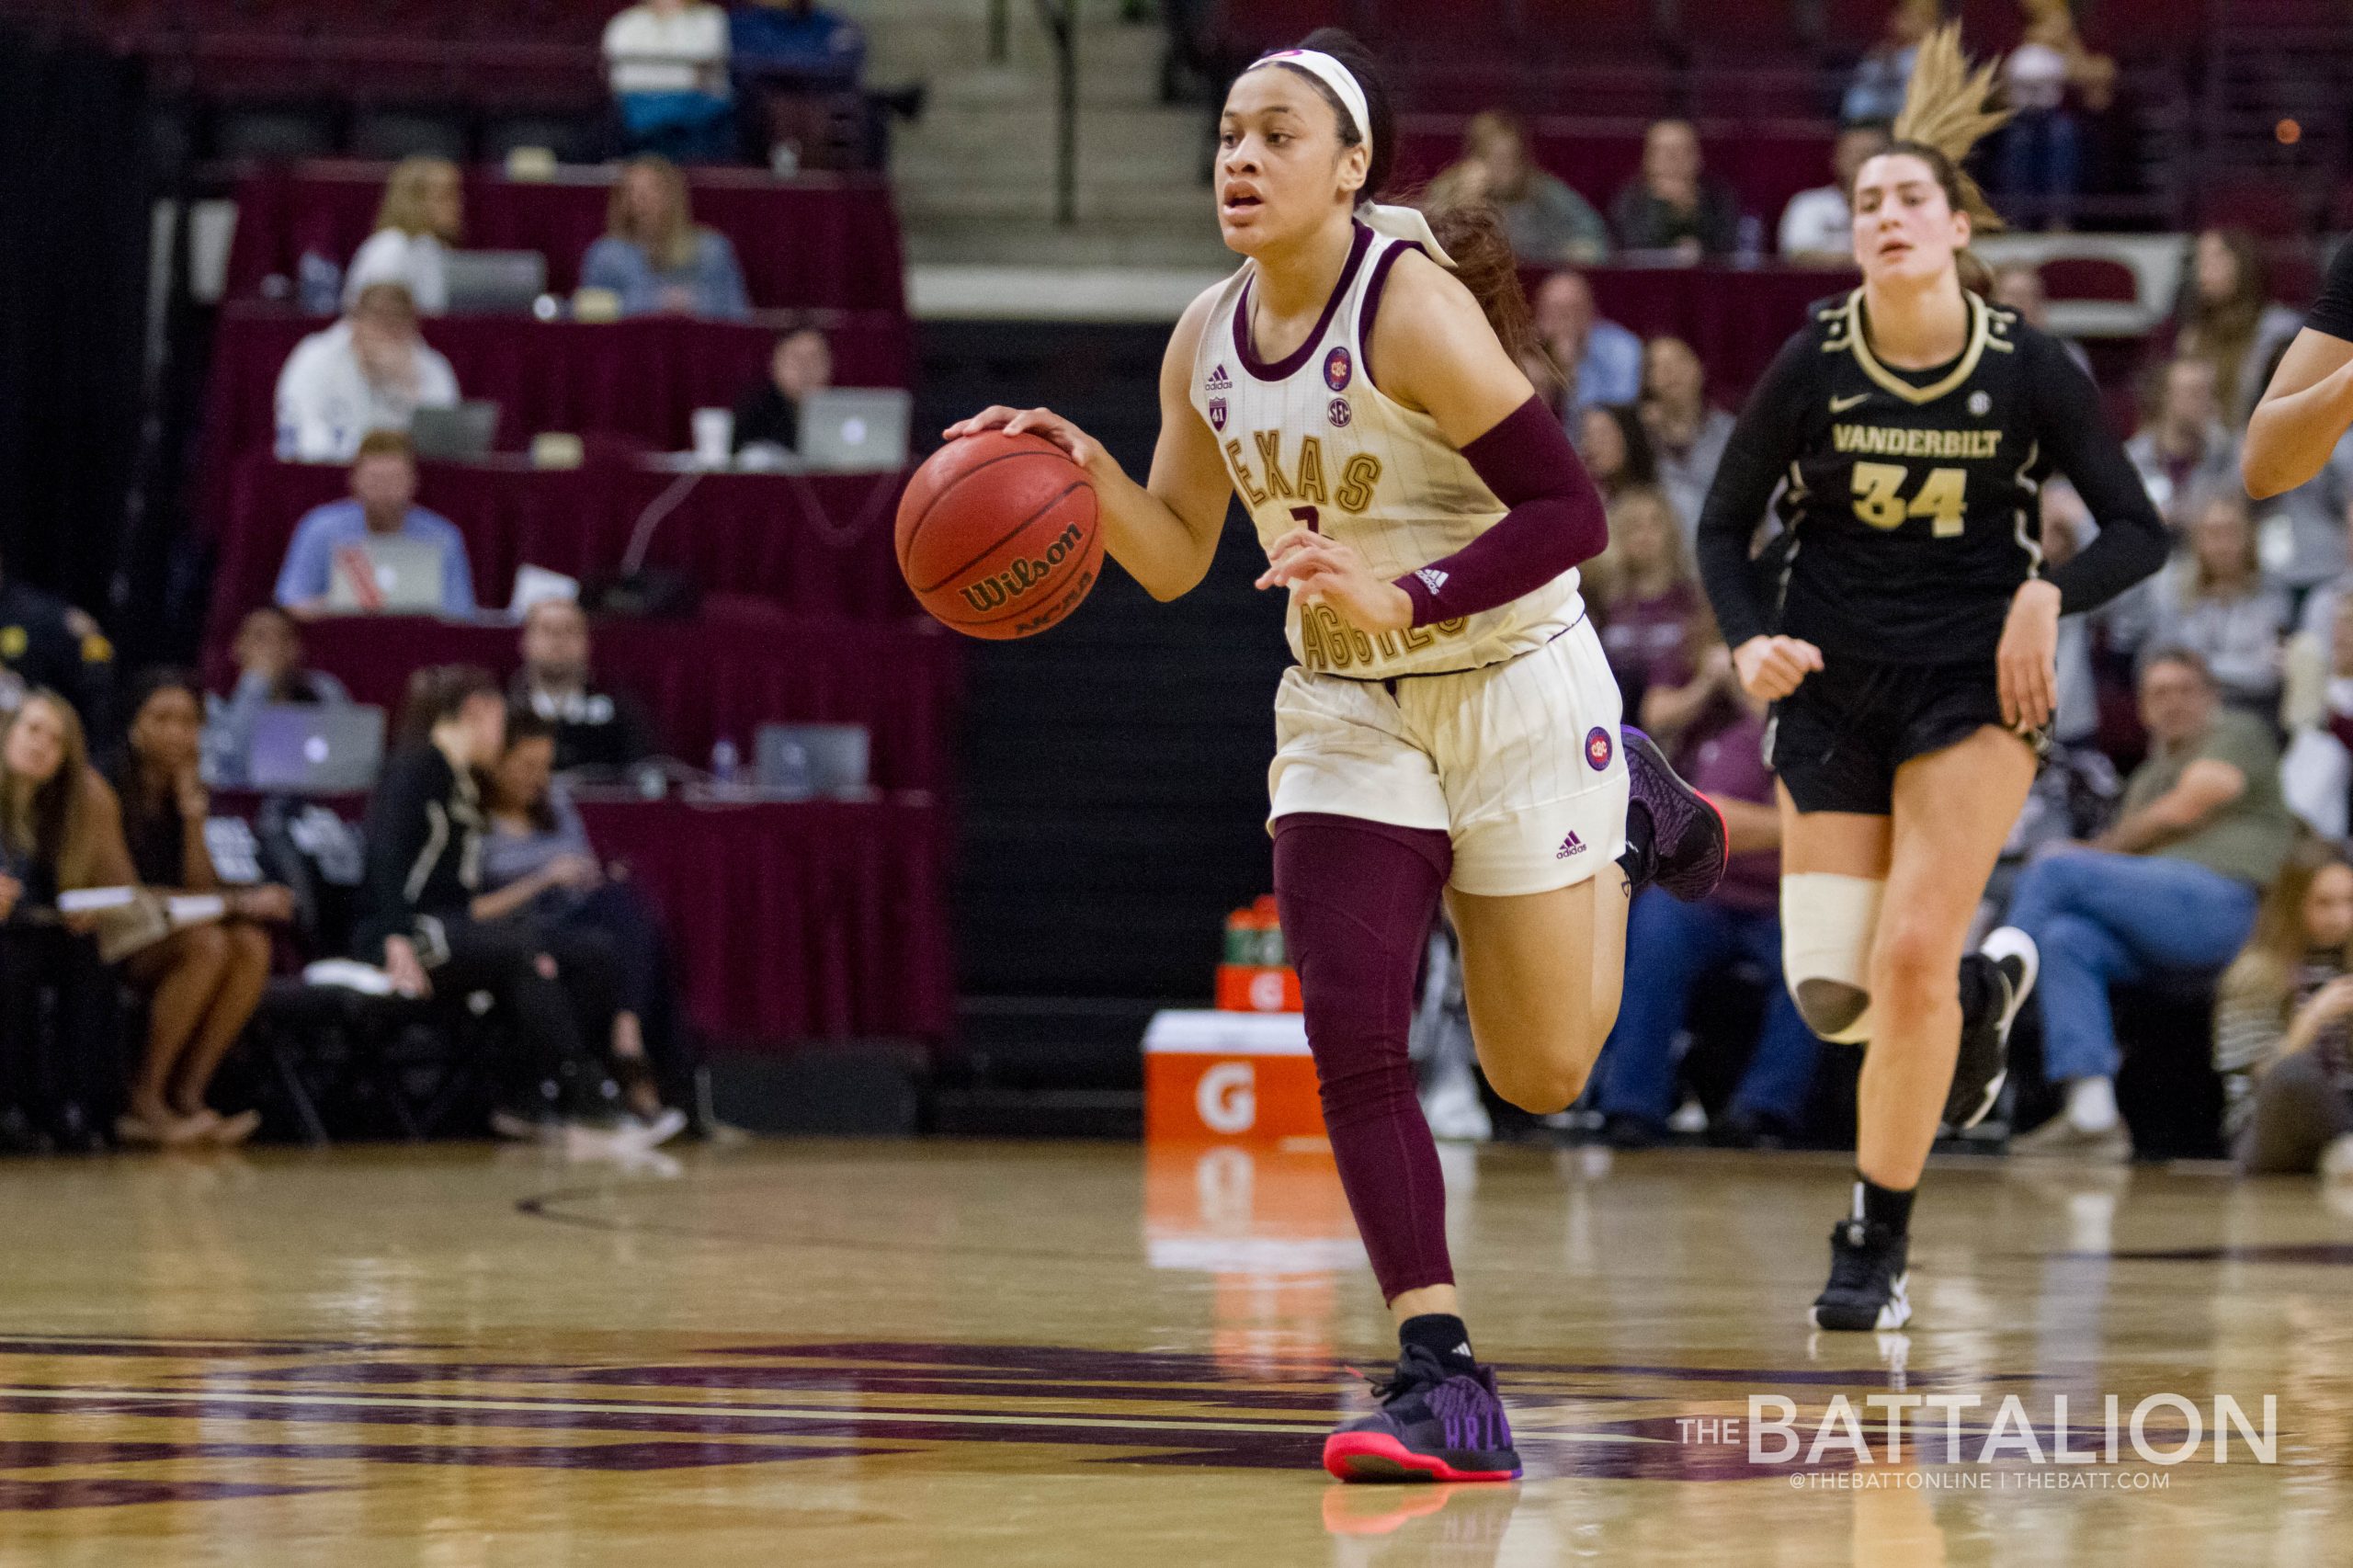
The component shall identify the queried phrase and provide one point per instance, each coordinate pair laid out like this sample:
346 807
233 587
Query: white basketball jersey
1310 441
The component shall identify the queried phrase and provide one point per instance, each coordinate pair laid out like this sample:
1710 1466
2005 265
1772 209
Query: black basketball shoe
1433 1424
1688 838
1867 1280
1983 1065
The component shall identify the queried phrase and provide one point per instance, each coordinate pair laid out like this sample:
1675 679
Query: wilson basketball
998 535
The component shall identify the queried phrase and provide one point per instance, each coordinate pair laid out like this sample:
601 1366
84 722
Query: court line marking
781 1413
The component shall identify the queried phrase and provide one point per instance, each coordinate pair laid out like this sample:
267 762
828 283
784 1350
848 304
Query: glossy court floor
955 1353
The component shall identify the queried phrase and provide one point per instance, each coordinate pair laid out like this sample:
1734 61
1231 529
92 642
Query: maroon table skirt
699 680
800 920
788 921
821 240
640 379
819 545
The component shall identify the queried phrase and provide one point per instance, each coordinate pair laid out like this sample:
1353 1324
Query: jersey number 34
1878 497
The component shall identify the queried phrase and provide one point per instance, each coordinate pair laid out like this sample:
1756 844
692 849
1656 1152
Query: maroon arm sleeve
1555 520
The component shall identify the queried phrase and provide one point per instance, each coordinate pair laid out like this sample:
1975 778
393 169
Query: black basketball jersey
1912 505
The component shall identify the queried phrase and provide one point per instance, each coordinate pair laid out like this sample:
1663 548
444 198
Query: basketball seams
1086 555
1003 539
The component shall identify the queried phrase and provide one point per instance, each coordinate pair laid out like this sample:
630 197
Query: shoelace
1465 1409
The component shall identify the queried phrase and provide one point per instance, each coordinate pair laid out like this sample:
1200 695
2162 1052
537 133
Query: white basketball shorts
1519 763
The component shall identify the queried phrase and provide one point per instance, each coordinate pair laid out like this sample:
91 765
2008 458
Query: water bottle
318 285
726 762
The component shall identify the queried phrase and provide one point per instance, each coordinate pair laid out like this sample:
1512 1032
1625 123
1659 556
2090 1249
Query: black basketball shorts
1837 740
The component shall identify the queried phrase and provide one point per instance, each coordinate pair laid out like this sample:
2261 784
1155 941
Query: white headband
1399 223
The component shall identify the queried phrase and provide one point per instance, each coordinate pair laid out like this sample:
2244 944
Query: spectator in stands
2284 1025
1877 90
1616 448
667 63
382 505
270 672
769 415
2018 286
1599 360
539 868
1688 433
1817 226
1650 604
592 729
203 982
654 258
2172 886
44 642
421 916
2212 600
423 215
54 823
1549 224
369 371
1673 206
2183 451
2225 315
797 39
2041 146
1673 950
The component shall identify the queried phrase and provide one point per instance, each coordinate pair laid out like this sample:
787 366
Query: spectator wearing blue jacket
654 258
382 505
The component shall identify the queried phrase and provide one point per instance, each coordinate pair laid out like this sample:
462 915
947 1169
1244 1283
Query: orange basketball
998 535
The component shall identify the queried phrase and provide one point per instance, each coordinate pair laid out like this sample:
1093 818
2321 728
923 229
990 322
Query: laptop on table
855 429
315 749
386 574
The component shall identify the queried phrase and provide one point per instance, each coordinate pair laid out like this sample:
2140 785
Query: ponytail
1484 263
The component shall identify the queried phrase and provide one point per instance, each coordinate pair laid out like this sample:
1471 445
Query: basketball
999 535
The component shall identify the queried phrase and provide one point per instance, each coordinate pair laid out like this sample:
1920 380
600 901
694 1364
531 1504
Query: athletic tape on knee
1827 922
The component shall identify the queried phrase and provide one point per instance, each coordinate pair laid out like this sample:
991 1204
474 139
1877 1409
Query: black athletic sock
1639 860
1444 1336
1883 1206
1981 991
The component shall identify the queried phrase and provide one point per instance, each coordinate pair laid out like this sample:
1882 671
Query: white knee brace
1827 924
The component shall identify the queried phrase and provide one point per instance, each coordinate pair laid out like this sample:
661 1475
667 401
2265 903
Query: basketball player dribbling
1450 725
1909 647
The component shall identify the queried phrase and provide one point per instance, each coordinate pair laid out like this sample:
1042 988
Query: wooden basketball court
943 1353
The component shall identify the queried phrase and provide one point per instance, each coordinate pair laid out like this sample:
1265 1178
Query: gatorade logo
1227 1097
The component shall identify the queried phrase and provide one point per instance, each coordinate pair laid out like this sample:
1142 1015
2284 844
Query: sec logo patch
1339 413
1599 748
1337 369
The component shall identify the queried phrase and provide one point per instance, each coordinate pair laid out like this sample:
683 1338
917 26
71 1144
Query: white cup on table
714 431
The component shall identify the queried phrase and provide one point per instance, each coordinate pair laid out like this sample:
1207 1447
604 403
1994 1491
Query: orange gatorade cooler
1216 1075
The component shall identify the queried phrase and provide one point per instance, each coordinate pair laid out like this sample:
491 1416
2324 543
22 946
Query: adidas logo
1432 578
1463 1349
1570 846
1220 381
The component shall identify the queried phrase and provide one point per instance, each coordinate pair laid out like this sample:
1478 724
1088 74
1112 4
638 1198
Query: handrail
1060 18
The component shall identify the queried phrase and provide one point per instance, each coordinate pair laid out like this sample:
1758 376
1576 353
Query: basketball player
1451 723
2309 405
1909 649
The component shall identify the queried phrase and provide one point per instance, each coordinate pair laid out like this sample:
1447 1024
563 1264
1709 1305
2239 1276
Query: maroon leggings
1358 898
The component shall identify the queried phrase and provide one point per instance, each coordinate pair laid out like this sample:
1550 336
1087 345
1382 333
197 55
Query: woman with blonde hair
2225 315
2283 1024
654 258
1909 647
422 219
1655 624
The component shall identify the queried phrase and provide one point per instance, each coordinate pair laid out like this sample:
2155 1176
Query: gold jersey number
1878 497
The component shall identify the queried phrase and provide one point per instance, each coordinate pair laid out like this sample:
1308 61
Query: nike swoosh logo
1841 405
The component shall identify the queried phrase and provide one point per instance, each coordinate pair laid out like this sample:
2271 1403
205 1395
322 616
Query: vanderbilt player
1911 656
1452 724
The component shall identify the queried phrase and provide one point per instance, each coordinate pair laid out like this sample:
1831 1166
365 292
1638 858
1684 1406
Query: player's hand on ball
1771 668
1084 450
2027 662
1327 572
